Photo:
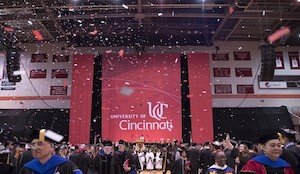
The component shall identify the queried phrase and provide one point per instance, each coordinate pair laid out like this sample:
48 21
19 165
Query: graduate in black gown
193 156
102 161
291 153
182 165
121 163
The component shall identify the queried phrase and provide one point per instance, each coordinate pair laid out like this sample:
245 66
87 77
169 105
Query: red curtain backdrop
200 97
81 99
141 96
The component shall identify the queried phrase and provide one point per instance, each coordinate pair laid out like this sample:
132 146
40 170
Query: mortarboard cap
122 142
47 135
216 143
266 137
247 143
288 133
107 143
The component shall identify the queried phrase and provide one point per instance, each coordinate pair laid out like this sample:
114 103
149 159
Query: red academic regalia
258 168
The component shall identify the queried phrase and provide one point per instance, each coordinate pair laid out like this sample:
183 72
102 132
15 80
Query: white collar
216 166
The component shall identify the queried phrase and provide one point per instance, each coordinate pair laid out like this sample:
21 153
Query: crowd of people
273 153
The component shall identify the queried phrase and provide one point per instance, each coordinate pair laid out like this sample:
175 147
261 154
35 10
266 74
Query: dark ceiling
149 22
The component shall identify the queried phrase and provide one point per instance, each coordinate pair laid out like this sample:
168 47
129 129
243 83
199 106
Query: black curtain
249 123
19 124
96 118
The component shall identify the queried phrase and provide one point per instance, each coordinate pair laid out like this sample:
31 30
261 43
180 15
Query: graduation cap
266 137
288 133
247 143
216 143
122 142
47 135
107 143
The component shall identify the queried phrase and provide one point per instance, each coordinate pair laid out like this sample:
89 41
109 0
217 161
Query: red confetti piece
9 29
108 51
231 10
66 84
94 32
279 34
189 95
38 35
121 53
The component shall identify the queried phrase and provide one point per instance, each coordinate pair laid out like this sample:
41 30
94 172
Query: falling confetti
124 6
94 32
231 10
108 51
279 34
38 35
189 95
65 84
8 29
121 53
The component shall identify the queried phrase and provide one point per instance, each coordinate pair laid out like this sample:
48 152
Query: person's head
107 147
288 135
122 145
243 148
271 145
220 158
42 150
43 146
183 153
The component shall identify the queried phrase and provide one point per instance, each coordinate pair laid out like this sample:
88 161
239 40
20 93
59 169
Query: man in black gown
121 163
102 163
291 153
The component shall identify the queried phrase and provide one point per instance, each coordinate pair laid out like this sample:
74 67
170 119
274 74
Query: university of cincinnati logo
157 111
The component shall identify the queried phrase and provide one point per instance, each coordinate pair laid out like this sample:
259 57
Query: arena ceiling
149 22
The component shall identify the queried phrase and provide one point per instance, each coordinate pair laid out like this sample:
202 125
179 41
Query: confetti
124 6
108 51
9 29
189 95
94 32
231 10
121 53
279 34
38 35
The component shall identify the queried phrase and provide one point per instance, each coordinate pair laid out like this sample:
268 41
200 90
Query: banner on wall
141 96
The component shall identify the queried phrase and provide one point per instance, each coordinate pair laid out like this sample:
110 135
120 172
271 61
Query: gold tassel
42 135
280 138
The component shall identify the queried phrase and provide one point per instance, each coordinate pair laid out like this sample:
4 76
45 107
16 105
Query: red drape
200 97
81 99
141 96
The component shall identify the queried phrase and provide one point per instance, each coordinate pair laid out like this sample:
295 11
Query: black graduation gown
292 156
82 161
206 159
193 156
118 161
102 163
179 167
